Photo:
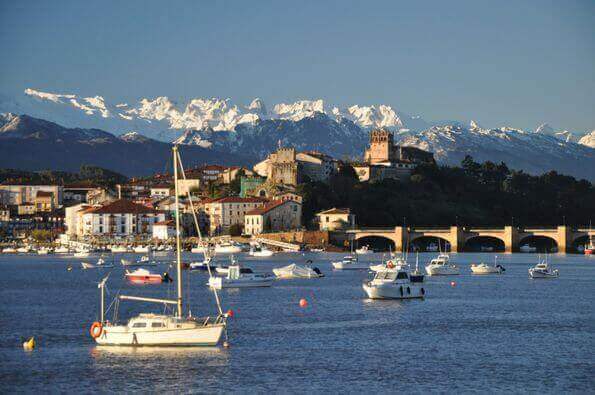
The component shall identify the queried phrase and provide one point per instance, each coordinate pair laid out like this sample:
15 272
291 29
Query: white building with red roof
120 218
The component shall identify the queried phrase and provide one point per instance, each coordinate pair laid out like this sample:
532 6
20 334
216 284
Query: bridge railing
363 230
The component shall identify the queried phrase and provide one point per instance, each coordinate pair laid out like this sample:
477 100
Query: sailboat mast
178 242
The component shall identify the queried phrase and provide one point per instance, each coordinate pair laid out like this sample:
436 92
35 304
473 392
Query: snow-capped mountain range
255 129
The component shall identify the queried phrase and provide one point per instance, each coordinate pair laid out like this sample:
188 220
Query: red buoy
229 313
453 284
303 303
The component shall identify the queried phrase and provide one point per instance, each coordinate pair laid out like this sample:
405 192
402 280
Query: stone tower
381 147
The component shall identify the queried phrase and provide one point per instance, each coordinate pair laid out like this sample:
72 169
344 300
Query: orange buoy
229 313
453 284
303 303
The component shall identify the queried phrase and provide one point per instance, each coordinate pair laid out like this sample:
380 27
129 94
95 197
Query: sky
503 63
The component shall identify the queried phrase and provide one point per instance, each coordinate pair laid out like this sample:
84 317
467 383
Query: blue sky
516 63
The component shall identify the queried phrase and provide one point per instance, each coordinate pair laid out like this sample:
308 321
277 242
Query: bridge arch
541 242
424 242
376 243
484 244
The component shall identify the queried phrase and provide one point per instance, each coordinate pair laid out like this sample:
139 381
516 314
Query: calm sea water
485 333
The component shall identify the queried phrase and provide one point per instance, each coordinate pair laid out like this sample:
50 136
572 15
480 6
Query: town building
224 212
44 201
164 230
276 216
77 193
336 219
120 218
19 194
26 208
286 166
73 220
383 159
161 190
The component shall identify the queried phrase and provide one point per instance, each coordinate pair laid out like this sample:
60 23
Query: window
139 325
402 276
157 325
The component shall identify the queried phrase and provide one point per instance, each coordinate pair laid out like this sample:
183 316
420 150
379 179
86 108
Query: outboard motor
167 278
317 271
501 267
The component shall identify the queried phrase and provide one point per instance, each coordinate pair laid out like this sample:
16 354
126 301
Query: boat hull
221 282
350 266
209 335
392 291
441 271
540 274
483 270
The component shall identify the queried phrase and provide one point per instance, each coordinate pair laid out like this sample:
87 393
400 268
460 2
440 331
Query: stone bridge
512 237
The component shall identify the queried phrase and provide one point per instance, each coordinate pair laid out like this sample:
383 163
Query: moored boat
393 284
171 329
484 268
238 277
297 271
350 262
260 251
542 270
143 276
441 266
364 250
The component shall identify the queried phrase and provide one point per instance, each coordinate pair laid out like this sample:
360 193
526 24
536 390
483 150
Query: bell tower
381 144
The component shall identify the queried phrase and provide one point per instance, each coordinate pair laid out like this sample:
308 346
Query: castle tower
381 146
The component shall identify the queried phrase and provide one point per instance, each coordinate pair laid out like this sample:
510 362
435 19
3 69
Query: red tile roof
268 207
237 199
123 206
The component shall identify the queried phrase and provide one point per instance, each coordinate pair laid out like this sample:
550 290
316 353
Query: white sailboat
176 329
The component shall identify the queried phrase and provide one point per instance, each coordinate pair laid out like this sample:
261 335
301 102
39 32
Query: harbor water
494 333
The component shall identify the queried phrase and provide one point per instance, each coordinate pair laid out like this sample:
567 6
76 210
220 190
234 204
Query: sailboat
179 328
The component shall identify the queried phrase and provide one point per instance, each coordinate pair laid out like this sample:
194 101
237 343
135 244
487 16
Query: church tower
381 146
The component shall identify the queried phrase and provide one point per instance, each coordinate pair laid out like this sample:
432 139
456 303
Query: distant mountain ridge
255 130
35 144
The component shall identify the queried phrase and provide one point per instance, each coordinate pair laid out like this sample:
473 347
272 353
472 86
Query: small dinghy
238 277
542 270
297 271
143 261
143 276
99 265
260 251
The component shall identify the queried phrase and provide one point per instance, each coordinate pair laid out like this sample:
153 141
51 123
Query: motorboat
364 250
61 250
200 249
204 265
143 276
350 262
527 248
9 250
484 268
141 249
173 328
260 251
227 247
542 270
119 249
441 266
99 265
44 251
238 278
393 284
81 253
316 249
486 249
297 271
24 250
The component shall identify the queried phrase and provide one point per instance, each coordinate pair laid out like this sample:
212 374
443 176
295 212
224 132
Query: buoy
225 345
453 284
69 268
29 344
229 313
303 303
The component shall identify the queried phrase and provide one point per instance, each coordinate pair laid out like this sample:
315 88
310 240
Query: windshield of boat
386 275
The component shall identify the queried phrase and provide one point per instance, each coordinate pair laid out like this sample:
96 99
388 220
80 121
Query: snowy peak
134 137
588 139
371 116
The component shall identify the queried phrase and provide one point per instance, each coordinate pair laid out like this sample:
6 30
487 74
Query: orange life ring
390 264
96 330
